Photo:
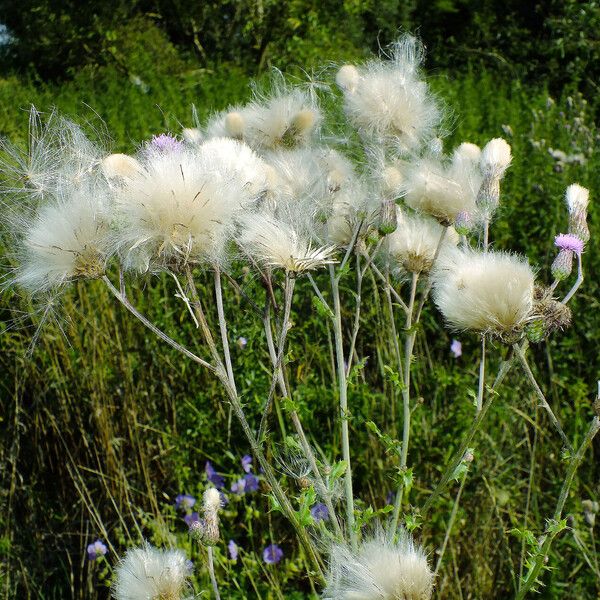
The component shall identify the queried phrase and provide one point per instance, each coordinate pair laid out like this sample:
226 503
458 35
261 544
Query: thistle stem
343 397
541 397
577 283
481 386
211 571
409 343
546 541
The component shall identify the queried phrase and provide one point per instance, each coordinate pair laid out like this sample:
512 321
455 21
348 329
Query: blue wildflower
232 547
191 518
247 463
217 480
319 512
184 502
272 554
96 549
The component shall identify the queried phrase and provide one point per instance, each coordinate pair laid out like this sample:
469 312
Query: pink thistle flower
569 241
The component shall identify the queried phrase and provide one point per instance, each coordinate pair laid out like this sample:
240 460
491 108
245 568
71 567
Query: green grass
102 427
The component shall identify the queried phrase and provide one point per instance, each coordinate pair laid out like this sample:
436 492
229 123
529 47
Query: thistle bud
347 78
495 158
577 199
206 531
536 331
387 217
192 135
235 125
562 265
463 223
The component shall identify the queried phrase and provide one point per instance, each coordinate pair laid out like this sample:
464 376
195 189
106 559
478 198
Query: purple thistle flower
272 554
319 512
96 549
232 547
569 241
191 518
184 501
456 348
165 143
217 480
247 463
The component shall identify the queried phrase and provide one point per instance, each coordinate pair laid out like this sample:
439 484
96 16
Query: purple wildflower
390 498
232 547
319 512
189 566
456 348
247 463
165 143
272 554
251 483
216 479
242 342
569 241
96 549
191 518
184 501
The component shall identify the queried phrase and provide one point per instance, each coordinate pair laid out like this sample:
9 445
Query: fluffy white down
379 570
147 573
287 118
275 243
65 240
485 292
577 198
386 100
180 208
413 245
443 189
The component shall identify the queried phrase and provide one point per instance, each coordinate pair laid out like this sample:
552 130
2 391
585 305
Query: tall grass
102 427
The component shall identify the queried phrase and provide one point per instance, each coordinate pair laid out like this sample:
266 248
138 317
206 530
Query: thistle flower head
192 135
120 166
379 570
277 244
66 239
568 241
179 209
577 199
467 152
286 118
488 292
442 190
147 573
165 142
495 158
412 247
386 100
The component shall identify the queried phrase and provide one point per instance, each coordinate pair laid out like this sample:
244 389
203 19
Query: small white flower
379 570
148 573
488 292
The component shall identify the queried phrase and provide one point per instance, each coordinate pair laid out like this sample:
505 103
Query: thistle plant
262 187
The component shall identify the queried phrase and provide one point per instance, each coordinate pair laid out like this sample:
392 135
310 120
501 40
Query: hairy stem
211 571
343 397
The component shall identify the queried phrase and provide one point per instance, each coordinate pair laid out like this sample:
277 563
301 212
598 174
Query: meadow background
102 427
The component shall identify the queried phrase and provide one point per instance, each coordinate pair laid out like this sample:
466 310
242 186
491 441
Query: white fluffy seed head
147 573
347 78
287 118
577 198
180 209
277 244
412 246
495 158
441 190
212 500
116 166
379 570
234 124
388 103
192 135
488 292
66 239
467 151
